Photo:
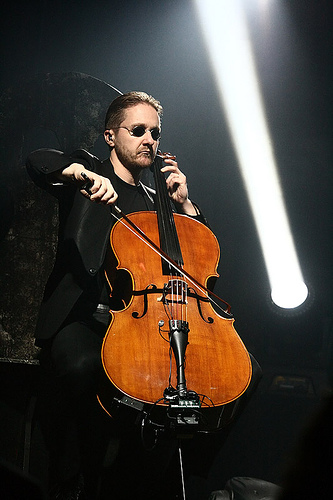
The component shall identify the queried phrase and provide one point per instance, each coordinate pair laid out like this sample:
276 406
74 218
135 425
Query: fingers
176 183
171 165
99 189
175 177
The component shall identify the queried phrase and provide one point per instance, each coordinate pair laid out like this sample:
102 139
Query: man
74 314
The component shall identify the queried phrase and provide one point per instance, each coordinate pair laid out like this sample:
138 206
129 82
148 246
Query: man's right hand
101 190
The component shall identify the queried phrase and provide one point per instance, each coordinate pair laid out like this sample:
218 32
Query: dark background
158 47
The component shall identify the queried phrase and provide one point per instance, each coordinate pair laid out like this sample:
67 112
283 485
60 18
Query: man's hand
177 187
100 189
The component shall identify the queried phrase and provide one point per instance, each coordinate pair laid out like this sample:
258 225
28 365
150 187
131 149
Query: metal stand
184 405
181 468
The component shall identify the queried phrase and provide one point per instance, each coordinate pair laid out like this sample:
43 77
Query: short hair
116 111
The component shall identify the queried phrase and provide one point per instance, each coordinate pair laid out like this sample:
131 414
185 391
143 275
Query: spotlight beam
225 31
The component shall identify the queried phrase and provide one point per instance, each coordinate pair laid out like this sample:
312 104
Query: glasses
139 131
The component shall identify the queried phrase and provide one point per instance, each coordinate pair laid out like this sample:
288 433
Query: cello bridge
174 292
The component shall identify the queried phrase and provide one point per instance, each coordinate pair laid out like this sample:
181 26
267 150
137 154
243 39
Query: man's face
136 152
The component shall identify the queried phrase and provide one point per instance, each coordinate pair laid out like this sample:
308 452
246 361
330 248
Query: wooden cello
169 346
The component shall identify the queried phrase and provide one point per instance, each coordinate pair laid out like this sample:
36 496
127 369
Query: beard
135 160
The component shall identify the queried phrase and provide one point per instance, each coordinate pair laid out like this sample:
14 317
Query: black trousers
83 440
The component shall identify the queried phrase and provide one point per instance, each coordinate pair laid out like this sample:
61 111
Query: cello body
136 352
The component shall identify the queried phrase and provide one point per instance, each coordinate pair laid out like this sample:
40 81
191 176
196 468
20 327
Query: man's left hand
177 187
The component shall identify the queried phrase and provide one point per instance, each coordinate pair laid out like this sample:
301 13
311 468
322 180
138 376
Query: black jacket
84 230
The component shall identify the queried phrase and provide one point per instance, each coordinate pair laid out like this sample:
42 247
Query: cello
168 348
